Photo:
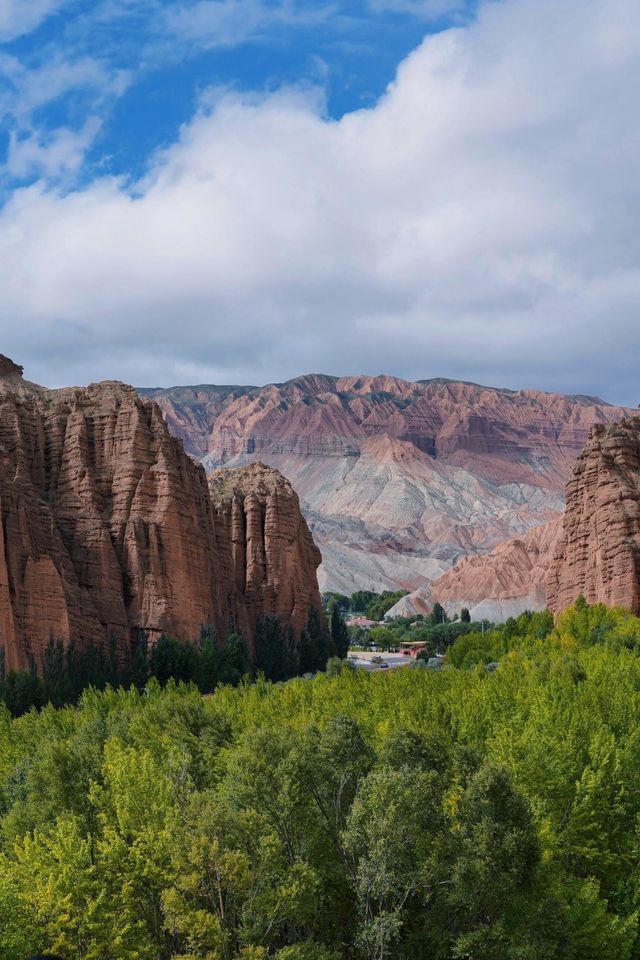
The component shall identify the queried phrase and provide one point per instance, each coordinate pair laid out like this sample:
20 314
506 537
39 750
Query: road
363 659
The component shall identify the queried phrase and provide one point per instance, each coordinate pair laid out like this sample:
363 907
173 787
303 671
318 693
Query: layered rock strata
506 582
397 479
108 527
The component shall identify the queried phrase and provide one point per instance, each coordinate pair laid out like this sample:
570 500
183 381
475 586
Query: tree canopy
464 814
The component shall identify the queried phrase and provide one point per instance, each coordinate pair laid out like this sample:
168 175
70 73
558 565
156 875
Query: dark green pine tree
339 633
55 675
139 663
314 644
235 660
273 654
211 666
438 614
173 660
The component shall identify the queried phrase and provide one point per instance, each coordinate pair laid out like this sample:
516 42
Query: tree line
66 671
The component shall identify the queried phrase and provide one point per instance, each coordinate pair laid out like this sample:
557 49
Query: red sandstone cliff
270 556
598 553
107 526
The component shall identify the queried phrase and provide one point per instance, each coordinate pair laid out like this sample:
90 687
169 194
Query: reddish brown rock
272 555
598 553
397 479
107 526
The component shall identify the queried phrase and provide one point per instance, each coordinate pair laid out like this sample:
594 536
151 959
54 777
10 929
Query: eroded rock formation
108 526
270 556
598 553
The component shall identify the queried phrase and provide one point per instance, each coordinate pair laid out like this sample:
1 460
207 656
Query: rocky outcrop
108 527
504 583
270 555
397 480
598 553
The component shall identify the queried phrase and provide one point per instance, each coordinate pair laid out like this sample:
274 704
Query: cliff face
270 556
593 549
107 526
598 553
397 479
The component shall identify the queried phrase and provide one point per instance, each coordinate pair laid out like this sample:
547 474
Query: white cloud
26 89
35 149
212 23
480 221
427 9
18 17
52 155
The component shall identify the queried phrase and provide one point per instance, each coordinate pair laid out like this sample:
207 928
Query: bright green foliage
383 602
332 600
361 599
374 605
17 939
464 814
381 636
335 666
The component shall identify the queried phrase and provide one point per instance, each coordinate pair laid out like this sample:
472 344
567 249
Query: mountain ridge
398 479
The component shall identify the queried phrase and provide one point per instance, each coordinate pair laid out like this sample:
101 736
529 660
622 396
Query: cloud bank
480 222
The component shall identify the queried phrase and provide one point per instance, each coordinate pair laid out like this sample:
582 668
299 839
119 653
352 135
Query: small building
411 648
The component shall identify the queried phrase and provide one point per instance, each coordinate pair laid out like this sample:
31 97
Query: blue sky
241 191
126 74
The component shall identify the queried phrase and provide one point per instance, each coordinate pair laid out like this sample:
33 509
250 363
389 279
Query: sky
242 191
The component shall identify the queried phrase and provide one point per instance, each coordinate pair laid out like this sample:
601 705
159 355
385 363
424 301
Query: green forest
409 815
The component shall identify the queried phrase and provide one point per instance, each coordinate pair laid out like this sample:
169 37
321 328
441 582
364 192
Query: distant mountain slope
397 479
495 586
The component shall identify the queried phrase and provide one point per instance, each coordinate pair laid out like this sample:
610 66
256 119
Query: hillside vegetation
465 813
